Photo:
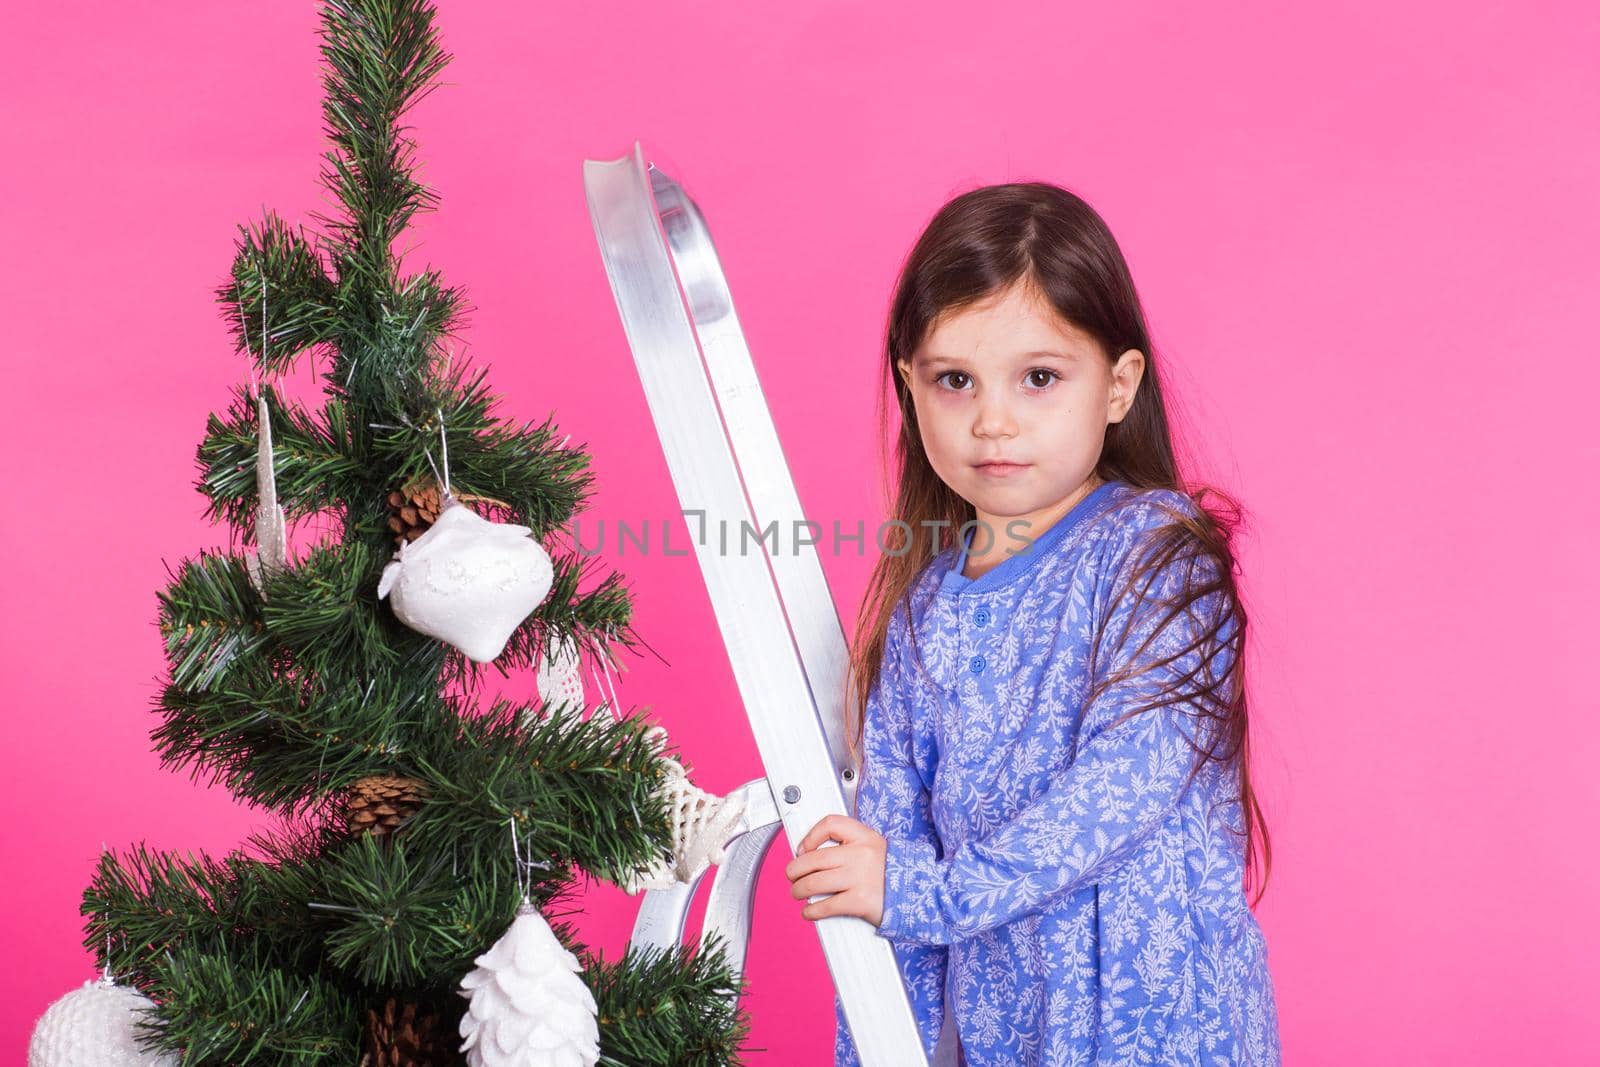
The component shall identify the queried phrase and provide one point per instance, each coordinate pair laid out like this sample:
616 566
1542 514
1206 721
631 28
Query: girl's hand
852 870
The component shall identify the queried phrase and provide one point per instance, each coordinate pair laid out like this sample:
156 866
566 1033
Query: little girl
1055 812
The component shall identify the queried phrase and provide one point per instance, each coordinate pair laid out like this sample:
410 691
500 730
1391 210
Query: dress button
981 617
976 664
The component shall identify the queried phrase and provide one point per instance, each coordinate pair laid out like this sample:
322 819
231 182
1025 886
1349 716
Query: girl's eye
1050 377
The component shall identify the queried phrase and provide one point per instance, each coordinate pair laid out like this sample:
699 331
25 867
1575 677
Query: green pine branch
287 698
382 57
277 744
367 913
679 1007
397 916
210 618
221 1008
580 792
146 904
524 466
326 614
321 462
278 300
313 465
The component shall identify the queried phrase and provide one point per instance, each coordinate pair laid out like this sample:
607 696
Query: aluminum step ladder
777 618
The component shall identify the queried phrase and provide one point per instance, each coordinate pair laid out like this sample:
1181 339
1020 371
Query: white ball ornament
528 1004
468 582
93 1027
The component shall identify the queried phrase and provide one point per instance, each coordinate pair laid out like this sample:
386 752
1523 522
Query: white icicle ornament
271 557
468 582
528 1005
93 1026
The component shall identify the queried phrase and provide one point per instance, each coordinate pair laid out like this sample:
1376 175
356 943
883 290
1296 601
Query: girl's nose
994 419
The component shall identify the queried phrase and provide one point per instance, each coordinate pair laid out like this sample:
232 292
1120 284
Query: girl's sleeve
1126 779
893 800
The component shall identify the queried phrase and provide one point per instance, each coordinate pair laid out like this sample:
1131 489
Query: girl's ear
905 370
1125 379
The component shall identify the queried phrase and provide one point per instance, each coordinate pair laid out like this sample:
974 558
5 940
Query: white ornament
468 581
702 824
93 1027
528 1004
558 679
272 543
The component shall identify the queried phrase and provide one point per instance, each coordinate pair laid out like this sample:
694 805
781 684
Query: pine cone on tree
413 508
382 803
410 1036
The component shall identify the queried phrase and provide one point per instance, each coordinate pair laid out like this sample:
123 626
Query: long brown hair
977 246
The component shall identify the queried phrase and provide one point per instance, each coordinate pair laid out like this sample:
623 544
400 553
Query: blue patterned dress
1045 878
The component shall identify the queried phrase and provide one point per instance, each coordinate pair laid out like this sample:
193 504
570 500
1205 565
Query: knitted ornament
702 824
528 1005
558 678
468 582
93 1027
560 684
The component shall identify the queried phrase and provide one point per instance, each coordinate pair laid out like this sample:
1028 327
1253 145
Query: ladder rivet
791 794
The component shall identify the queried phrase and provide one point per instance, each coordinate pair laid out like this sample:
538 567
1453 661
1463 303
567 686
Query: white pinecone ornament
93 1027
528 1004
468 582
702 824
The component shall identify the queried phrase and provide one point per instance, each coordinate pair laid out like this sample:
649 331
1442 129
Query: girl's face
1009 379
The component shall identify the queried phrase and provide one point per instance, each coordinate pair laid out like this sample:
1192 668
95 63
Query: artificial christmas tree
343 934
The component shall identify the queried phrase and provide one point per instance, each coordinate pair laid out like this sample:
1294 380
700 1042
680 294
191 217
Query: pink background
1366 239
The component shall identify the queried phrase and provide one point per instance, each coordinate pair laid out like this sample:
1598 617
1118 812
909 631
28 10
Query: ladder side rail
778 698
802 584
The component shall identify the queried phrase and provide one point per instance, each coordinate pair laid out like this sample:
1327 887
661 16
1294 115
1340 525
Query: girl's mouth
1001 470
